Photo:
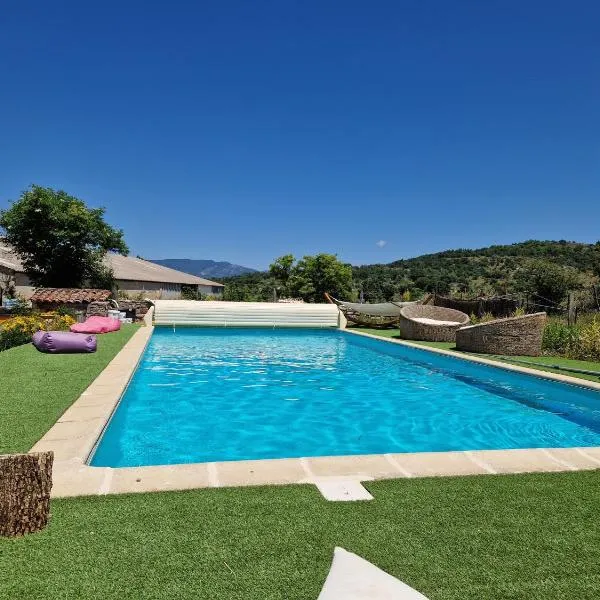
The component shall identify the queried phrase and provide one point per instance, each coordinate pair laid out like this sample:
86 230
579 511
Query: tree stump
25 484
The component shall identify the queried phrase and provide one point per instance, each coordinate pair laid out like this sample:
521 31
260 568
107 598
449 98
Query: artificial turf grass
504 537
527 536
549 360
37 388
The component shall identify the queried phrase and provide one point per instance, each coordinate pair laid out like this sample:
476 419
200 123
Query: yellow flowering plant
18 330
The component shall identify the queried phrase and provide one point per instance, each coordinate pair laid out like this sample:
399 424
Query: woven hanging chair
378 316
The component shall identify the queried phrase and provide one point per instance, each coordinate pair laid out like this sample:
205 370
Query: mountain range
211 269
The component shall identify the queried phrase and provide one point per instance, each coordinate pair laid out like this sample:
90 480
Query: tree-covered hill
573 254
484 271
495 269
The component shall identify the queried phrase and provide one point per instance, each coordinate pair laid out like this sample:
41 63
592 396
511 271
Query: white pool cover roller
353 578
245 314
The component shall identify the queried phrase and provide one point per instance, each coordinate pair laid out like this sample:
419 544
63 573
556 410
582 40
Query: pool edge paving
75 434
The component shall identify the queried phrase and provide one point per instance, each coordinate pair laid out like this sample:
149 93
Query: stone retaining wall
135 309
97 309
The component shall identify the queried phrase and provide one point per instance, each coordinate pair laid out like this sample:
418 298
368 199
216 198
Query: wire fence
577 304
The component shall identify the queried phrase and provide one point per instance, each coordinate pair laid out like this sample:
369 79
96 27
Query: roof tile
69 295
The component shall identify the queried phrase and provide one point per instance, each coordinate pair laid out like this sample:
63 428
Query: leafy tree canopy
308 278
61 241
312 276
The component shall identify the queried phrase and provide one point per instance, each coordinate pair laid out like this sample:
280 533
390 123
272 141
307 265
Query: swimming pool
203 395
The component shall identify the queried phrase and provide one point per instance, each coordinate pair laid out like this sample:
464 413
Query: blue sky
241 131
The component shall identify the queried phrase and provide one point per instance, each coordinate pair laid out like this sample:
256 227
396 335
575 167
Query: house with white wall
133 277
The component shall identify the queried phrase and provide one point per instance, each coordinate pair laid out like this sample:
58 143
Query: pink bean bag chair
63 342
97 325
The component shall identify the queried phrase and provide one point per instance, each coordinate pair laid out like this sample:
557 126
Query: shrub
559 338
190 292
65 311
18 331
587 346
9 338
59 323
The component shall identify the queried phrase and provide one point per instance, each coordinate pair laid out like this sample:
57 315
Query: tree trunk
25 484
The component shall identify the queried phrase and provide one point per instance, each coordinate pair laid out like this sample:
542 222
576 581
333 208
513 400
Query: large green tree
61 241
312 276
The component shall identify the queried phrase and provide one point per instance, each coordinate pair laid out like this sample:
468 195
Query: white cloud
381 243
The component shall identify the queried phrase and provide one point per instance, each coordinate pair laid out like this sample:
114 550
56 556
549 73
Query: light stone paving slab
521 461
431 464
590 453
65 430
97 399
86 412
75 434
116 383
367 465
71 449
259 472
159 478
73 478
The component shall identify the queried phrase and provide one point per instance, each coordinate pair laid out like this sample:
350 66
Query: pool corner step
341 489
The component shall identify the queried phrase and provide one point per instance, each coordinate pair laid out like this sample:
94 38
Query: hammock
382 315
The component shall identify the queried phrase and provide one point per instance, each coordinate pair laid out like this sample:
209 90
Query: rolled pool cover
64 342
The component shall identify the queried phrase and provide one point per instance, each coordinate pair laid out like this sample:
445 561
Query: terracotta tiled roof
69 295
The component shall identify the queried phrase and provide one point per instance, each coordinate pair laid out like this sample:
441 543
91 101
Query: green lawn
546 360
36 388
517 537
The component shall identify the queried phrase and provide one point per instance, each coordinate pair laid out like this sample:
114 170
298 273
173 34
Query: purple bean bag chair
63 342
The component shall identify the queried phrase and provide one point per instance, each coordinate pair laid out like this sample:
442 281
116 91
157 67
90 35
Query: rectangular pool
202 395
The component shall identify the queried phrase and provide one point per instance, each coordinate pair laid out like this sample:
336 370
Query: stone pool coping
76 433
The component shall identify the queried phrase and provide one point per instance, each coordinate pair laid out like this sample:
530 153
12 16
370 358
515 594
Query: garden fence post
571 315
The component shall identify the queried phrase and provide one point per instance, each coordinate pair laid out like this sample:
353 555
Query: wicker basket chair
515 336
445 331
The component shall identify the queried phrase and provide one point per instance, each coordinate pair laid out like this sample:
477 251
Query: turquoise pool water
225 394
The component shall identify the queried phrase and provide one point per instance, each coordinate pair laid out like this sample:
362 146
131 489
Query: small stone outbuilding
48 299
